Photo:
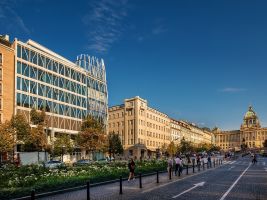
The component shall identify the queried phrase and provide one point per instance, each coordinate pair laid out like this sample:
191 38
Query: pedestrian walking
209 160
131 166
170 165
254 159
181 166
177 164
198 160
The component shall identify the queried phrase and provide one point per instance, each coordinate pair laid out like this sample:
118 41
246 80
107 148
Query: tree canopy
114 144
7 137
22 128
92 136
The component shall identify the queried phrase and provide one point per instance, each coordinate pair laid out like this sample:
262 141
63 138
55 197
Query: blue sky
203 61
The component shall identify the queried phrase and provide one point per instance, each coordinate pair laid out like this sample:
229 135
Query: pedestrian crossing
263 163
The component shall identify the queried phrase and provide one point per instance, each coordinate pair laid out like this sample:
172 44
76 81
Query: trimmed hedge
18 182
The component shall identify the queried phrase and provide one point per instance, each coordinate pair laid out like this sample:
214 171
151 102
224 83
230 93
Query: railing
88 185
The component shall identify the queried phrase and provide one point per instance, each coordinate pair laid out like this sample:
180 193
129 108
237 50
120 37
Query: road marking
265 169
231 167
195 185
232 162
263 163
233 185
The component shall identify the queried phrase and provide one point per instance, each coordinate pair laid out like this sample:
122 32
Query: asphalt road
235 180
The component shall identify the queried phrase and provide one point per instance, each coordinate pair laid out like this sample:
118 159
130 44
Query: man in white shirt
177 164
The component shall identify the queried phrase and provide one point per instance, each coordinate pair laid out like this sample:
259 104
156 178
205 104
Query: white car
52 164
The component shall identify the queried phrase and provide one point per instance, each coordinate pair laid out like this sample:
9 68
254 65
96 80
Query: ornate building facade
144 130
251 134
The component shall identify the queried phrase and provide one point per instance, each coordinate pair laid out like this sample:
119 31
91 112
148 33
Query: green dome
250 113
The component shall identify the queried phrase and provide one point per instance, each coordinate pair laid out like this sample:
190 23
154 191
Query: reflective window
19 67
40 60
55 80
33 102
19 51
48 64
25 70
55 67
40 104
25 53
33 72
25 85
34 57
19 103
61 69
18 83
33 87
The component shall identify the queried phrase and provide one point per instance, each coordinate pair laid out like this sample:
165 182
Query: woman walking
131 166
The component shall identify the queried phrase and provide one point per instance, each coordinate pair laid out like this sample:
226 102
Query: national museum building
251 134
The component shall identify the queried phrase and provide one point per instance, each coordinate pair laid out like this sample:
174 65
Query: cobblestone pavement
130 189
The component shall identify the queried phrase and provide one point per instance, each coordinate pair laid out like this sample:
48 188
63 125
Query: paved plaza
234 180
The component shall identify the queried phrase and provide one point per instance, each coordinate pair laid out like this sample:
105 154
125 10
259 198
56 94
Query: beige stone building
7 68
144 130
250 134
190 132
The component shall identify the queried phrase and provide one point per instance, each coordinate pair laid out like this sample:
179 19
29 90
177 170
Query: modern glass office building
68 91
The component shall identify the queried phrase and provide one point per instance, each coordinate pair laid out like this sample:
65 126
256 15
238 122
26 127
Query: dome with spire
250 113
250 119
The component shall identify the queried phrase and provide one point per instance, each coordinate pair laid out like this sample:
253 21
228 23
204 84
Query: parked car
52 164
83 162
102 160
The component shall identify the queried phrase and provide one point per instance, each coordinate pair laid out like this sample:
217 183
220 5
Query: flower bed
17 182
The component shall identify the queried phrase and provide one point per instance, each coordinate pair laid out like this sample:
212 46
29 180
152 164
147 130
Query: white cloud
232 90
9 17
158 30
104 24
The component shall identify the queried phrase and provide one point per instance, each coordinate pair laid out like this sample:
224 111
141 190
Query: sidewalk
129 189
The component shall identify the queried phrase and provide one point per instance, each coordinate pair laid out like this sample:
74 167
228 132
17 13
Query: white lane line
233 185
231 167
195 185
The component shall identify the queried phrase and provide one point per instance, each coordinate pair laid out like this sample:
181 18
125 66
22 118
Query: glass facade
73 90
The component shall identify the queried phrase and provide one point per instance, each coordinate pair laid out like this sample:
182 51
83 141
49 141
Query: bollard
193 167
203 166
140 180
88 190
170 173
33 194
198 166
187 169
157 176
120 184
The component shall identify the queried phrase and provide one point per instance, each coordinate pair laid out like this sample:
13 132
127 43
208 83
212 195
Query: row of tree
33 136
187 147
